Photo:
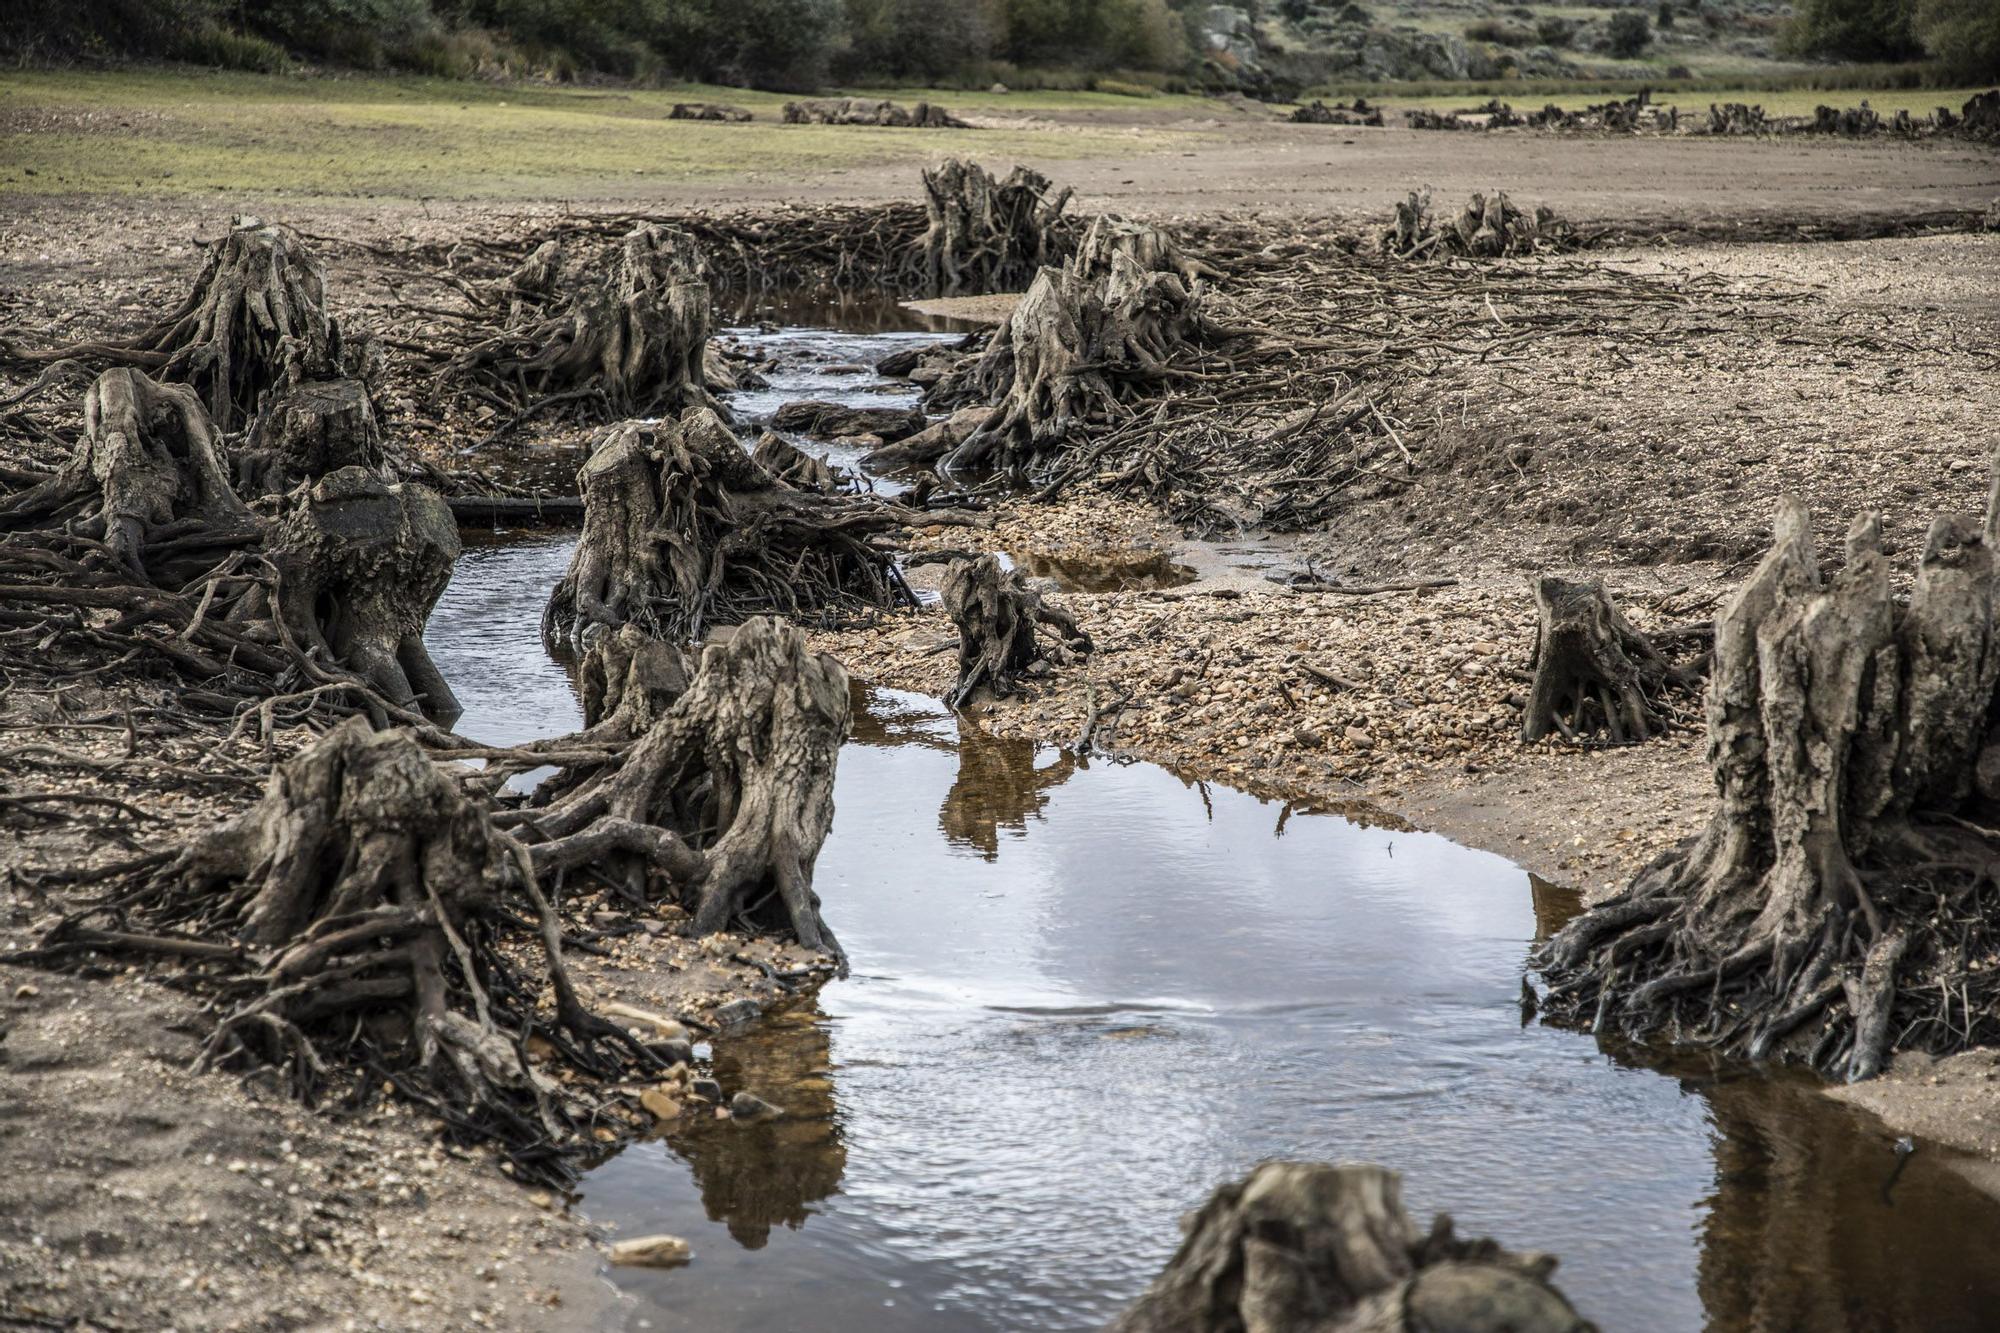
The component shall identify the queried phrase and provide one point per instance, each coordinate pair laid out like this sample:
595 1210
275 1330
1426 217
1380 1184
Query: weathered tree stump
708 111
1149 249
728 795
627 682
1737 118
358 907
1076 351
617 330
870 111
1488 227
1839 902
683 530
255 322
307 432
150 469
1313 1248
985 235
361 563
997 615
799 469
1593 671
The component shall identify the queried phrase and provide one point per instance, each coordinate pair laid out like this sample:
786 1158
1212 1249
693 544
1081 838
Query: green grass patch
165 131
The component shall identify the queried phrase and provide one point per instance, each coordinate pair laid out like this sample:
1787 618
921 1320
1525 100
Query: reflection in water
1044 1058
1554 905
754 1176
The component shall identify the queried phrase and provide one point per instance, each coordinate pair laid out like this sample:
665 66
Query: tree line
781 44
1961 36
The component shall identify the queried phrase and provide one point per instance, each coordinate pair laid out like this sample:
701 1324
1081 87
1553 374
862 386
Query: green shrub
1555 31
1629 34
1499 32
1963 36
1854 29
223 49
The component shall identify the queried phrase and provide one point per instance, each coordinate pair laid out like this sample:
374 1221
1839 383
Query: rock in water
651 1252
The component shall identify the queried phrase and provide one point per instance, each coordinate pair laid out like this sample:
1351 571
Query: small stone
651 1252
542 1199
749 1106
26 992
707 1089
662 1104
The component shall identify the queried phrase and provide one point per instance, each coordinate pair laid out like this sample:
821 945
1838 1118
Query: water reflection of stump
1555 904
1799 1234
756 1176
998 786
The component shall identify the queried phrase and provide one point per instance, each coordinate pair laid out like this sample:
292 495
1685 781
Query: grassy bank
166 131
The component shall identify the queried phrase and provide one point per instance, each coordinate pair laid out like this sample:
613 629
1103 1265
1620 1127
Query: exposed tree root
255 322
1328 1249
726 798
1593 671
612 330
150 468
360 563
347 927
1488 227
997 615
1840 904
683 530
986 235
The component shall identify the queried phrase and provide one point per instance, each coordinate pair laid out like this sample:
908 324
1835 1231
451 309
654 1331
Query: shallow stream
1085 993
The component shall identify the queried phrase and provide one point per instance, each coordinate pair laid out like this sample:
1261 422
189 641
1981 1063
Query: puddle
1130 569
1085 994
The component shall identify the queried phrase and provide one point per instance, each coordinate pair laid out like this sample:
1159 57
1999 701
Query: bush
1629 35
1556 32
1666 16
1854 29
223 49
1503 34
1963 36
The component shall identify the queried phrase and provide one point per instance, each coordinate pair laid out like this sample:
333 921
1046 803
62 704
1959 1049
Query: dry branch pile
1317 112
708 111
1307 1246
683 530
1840 905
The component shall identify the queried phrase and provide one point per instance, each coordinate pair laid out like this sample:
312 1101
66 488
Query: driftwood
1593 670
150 468
984 235
1489 226
726 797
346 926
997 615
1309 1248
1317 112
708 111
307 432
255 321
869 111
605 329
1839 904
683 530
360 564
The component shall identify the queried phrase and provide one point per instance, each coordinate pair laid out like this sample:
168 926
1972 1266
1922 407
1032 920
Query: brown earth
1859 373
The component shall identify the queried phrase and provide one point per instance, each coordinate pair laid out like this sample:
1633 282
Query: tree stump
361 563
620 330
997 615
1488 227
1328 1249
1593 671
870 111
985 235
1839 902
362 901
150 468
255 322
627 682
1077 350
728 795
799 469
1149 249
307 432
683 530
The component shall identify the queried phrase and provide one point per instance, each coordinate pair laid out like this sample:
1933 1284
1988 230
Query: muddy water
1085 994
